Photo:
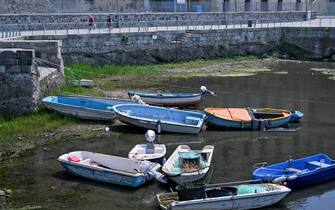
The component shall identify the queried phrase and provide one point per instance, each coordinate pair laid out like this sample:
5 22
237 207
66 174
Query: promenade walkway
328 21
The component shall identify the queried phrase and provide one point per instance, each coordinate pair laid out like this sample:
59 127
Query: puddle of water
38 179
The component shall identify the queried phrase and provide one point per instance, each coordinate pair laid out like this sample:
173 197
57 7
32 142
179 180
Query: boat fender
73 158
279 179
158 127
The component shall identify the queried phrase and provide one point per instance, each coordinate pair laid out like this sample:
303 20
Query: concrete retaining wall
74 21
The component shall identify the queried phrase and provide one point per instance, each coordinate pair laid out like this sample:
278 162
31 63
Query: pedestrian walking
90 20
109 23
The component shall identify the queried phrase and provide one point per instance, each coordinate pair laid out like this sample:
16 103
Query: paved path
320 22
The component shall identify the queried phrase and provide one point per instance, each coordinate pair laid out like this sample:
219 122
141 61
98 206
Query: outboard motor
204 90
138 99
146 167
150 146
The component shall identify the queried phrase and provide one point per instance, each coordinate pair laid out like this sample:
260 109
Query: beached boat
84 107
149 151
110 169
160 118
246 118
172 99
235 195
298 173
186 165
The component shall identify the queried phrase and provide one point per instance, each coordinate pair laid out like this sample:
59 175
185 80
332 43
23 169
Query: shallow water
38 179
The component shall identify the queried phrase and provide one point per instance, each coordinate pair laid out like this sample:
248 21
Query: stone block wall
153 47
24 79
18 81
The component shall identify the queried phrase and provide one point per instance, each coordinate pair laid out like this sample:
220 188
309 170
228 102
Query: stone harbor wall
24 79
167 46
309 43
18 81
75 21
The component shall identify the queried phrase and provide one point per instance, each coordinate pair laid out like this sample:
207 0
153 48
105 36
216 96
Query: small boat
234 195
186 165
84 107
246 118
298 173
160 118
172 99
149 151
110 169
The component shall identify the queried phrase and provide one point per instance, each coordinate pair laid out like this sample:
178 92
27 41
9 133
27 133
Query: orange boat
246 118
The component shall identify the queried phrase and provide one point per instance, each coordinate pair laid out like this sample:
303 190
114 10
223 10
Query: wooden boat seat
294 170
319 164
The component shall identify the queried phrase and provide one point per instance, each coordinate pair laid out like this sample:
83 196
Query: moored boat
187 165
84 107
110 169
149 151
297 173
246 118
236 195
160 119
172 99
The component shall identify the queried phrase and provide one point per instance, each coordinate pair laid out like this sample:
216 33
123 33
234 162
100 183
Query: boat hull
166 127
191 100
242 200
97 110
160 118
233 202
298 173
239 124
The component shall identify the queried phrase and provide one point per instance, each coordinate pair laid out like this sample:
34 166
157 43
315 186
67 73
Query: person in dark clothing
109 22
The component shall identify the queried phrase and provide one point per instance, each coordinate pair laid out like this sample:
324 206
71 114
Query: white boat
186 165
172 99
110 169
149 151
160 119
85 107
238 195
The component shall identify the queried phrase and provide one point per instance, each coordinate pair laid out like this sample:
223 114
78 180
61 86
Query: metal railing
152 26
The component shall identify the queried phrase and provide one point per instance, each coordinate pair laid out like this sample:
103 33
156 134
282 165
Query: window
226 5
247 5
280 5
298 5
264 5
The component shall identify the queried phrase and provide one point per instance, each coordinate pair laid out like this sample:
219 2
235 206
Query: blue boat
84 107
110 169
298 173
246 118
160 118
